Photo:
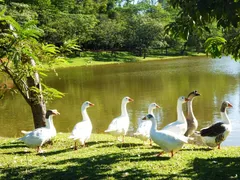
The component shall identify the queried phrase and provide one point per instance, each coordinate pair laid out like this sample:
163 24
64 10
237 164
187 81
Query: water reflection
157 81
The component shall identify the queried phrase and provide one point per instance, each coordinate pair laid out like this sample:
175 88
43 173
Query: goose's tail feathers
25 132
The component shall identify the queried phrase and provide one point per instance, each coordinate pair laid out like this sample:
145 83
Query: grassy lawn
93 58
105 158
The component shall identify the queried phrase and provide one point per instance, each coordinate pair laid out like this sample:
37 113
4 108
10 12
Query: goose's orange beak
130 100
91 104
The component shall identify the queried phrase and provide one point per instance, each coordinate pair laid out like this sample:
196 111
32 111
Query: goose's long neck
190 110
85 114
124 109
154 125
150 111
49 122
180 114
224 117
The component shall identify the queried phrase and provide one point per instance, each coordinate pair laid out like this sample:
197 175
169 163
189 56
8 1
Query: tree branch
8 71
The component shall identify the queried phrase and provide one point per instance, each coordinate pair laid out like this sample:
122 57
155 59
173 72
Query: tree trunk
144 53
183 49
37 104
166 51
38 112
36 100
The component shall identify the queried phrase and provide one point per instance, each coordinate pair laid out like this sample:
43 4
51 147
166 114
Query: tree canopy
34 33
199 15
22 57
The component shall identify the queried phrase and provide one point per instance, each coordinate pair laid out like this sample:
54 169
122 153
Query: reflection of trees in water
160 82
6 85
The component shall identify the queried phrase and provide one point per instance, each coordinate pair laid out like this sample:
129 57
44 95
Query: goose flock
170 138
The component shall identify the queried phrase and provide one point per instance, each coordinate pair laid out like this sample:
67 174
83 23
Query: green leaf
214 46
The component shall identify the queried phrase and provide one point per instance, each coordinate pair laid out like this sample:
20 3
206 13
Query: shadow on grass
197 149
100 167
88 144
115 56
50 153
128 145
18 152
220 168
16 144
92 143
95 167
151 156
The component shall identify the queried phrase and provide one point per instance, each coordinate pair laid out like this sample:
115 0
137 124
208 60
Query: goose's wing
174 137
39 132
80 129
213 130
144 127
113 126
168 140
36 137
174 127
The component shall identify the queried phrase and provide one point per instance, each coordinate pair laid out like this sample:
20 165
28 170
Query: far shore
90 61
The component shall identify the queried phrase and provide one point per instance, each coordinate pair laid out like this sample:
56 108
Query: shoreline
88 61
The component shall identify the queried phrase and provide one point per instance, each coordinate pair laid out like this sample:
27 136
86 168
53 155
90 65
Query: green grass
105 158
101 58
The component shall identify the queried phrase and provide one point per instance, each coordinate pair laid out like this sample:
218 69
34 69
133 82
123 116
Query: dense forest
139 27
36 32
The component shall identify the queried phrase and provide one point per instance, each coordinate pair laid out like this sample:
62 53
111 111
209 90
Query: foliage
214 46
17 48
202 12
97 25
135 26
49 93
198 15
21 12
22 57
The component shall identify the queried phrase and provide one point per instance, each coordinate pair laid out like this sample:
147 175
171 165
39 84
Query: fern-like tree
23 59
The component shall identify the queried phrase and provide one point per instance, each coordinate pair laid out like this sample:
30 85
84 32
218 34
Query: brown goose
192 122
215 134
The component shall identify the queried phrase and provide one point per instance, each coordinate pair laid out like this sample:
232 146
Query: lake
155 81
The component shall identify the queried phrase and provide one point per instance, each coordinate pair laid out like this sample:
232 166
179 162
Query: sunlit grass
105 158
93 58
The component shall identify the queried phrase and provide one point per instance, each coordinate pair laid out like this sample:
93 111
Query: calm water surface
157 81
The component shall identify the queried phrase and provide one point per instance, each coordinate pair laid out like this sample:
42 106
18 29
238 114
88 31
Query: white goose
192 122
119 126
48 124
143 130
167 140
82 130
180 125
215 134
39 136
